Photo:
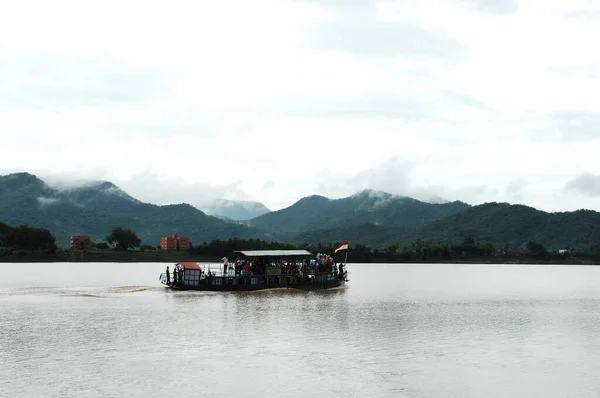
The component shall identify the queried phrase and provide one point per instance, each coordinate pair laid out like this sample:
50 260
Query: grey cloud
577 126
143 186
516 189
393 106
50 80
392 176
501 7
381 105
586 184
473 194
586 16
340 4
395 176
357 30
149 187
494 7
466 100
44 201
267 185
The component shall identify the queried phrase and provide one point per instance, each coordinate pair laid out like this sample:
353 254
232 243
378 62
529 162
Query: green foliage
102 246
27 238
499 224
124 238
418 251
367 234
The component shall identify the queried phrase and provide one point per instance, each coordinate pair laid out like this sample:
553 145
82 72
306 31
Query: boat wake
133 289
91 292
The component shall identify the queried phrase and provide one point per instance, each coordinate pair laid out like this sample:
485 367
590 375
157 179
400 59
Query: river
396 330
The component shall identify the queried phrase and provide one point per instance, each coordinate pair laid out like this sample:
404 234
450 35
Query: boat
260 270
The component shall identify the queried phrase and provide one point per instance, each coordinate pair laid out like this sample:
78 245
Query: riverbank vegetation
26 244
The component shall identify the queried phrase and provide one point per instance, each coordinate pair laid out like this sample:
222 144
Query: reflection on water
395 330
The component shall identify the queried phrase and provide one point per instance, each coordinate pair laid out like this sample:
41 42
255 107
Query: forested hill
373 218
497 223
501 223
96 207
367 207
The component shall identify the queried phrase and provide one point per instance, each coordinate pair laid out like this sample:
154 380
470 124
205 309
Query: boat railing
284 278
218 278
219 273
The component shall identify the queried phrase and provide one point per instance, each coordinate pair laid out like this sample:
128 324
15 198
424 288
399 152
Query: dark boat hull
244 284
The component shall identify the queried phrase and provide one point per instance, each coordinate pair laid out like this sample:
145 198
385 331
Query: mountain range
374 218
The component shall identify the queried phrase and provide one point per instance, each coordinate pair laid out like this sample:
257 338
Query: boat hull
244 284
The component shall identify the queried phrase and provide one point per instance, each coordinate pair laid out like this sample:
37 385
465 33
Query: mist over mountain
238 210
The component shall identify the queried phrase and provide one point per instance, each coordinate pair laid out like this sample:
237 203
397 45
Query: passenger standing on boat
341 270
168 276
225 265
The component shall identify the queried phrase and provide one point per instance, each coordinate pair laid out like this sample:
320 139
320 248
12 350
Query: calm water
111 330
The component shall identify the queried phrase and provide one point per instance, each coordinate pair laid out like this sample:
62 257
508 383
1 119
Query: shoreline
113 256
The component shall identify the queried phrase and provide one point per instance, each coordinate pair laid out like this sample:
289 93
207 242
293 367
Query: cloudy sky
272 100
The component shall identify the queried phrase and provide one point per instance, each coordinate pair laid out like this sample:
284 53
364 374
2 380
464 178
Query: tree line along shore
28 244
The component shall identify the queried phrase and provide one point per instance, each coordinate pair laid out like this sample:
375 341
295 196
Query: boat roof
274 253
189 265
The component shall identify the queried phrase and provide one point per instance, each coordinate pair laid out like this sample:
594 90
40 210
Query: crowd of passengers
322 263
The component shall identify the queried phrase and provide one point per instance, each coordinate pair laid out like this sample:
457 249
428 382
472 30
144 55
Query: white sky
271 100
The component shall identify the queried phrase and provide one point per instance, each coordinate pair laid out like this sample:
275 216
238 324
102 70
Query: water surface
111 330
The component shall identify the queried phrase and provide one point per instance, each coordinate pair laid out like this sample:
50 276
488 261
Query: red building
80 242
175 243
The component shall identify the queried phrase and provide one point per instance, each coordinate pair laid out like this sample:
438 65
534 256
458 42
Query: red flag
343 246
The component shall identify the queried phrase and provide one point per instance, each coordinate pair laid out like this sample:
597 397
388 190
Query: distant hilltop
374 218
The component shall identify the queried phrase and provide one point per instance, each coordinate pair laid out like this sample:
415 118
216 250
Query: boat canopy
189 265
274 253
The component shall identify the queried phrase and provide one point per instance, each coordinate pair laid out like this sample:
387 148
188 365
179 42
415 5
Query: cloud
516 189
47 201
359 30
446 98
61 81
391 175
497 7
577 126
267 185
147 187
176 190
586 184
585 15
430 105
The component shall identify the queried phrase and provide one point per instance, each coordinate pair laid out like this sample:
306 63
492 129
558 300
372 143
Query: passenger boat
259 270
